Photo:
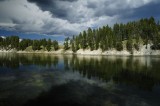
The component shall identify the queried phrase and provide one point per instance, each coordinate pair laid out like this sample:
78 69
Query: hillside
141 37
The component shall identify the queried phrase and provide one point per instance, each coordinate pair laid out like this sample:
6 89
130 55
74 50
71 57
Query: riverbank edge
144 50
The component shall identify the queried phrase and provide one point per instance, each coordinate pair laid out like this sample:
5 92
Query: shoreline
88 52
143 51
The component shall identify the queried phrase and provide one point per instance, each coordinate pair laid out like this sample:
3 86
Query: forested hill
121 36
129 35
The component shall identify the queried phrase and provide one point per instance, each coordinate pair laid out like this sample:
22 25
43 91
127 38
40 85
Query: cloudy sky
57 19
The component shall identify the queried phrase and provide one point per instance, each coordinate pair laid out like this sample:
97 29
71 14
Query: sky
58 19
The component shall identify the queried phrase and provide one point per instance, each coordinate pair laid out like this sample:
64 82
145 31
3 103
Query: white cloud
7 24
25 16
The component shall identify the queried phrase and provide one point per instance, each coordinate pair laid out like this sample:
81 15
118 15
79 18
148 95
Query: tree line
121 36
130 36
14 42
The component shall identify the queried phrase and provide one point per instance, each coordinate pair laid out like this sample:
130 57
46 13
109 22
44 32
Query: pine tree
44 43
73 44
55 45
36 45
77 43
23 44
1 42
66 43
90 39
97 39
129 44
119 46
84 40
49 43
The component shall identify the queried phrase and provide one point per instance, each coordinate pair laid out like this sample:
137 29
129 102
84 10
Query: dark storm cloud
101 8
148 10
44 4
145 11
93 5
54 6
67 10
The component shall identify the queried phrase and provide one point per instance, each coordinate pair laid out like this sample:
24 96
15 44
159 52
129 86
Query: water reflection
74 80
136 71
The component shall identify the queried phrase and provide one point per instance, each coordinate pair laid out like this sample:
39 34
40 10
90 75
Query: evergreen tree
97 39
23 44
66 43
55 45
90 39
49 43
129 44
36 45
137 44
44 42
119 46
14 41
77 43
73 44
1 42
84 40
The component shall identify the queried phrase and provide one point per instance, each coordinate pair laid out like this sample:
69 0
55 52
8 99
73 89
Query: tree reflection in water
131 76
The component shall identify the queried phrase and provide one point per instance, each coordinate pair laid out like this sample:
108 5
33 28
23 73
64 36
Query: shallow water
58 80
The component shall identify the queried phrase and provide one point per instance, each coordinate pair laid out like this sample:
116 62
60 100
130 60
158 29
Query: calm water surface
57 80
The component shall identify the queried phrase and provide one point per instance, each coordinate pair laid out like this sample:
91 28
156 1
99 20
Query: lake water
57 80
